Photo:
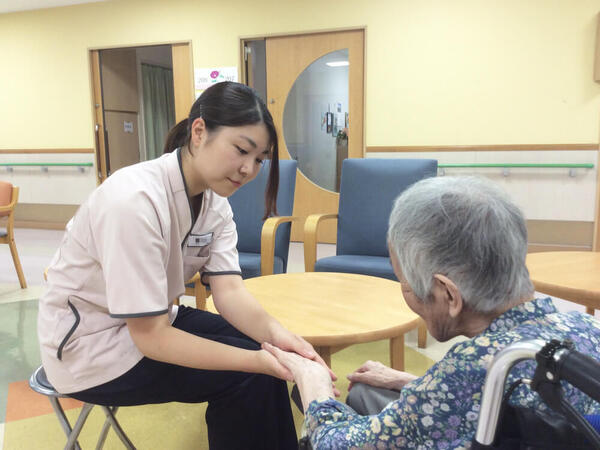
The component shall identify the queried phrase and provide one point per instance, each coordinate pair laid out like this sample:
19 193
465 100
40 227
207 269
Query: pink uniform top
126 253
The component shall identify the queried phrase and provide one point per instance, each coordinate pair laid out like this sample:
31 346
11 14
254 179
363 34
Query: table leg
325 353
590 310
397 352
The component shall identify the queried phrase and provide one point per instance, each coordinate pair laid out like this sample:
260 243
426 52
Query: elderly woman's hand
312 378
376 374
291 342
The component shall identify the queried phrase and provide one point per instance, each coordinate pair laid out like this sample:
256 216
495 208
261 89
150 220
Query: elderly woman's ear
447 292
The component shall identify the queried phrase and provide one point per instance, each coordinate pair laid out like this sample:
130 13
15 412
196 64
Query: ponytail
177 137
273 180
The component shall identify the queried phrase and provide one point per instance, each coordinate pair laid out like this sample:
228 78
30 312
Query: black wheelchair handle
581 371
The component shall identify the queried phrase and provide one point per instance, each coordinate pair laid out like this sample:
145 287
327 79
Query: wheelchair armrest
493 388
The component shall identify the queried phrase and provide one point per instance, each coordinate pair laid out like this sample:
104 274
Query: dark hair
230 104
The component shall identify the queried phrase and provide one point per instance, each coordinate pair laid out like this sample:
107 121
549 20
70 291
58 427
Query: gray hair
467 229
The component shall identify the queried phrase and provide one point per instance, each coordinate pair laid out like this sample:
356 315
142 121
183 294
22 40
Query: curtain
159 107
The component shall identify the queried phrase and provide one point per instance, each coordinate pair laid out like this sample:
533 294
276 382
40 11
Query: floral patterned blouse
440 409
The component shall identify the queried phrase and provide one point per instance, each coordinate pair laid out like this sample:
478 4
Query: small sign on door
128 127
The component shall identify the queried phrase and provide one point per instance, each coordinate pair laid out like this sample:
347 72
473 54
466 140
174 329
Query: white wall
41 187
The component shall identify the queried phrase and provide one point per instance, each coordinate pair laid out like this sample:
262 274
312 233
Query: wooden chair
367 193
197 290
9 195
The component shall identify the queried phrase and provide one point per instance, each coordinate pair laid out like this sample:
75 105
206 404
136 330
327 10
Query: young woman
108 329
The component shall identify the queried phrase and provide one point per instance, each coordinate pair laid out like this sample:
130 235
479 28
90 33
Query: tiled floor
19 353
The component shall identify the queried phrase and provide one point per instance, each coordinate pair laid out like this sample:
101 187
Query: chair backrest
6 196
368 189
248 205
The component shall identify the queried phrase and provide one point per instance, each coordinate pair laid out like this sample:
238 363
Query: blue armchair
367 192
262 245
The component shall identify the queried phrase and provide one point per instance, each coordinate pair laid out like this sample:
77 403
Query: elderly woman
458 247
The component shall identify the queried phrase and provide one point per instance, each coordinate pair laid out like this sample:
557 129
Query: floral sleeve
437 410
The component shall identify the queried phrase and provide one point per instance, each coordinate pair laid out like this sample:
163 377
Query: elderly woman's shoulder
574 321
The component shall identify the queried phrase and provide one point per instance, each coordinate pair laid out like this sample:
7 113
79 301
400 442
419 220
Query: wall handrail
44 166
47 151
511 165
482 148
81 164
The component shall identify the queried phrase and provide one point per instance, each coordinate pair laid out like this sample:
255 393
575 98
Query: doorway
313 84
139 94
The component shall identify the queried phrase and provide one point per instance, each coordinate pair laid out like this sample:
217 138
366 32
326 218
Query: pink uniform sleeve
133 252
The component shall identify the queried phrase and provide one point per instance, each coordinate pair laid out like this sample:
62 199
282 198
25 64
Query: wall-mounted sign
205 77
127 127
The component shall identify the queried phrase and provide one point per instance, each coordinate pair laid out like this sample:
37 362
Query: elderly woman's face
434 312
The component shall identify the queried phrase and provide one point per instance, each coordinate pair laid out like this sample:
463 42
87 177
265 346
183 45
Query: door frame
183 87
329 200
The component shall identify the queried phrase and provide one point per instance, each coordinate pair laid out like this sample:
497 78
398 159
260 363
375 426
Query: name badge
199 240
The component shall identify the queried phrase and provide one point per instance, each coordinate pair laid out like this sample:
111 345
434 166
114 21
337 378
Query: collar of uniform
178 187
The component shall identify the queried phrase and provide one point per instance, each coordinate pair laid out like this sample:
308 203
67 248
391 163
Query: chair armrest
267 242
13 201
198 291
194 279
9 207
310 239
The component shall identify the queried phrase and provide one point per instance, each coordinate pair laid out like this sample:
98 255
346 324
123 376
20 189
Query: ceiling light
337 63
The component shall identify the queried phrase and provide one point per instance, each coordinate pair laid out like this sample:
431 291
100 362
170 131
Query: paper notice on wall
206 77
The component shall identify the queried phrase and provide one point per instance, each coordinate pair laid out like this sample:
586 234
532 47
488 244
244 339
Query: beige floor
36 248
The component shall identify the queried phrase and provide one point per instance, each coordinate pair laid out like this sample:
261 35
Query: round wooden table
573 276
335 310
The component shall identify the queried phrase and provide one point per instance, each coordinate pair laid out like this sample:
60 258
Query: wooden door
121 106
99 129
183 79
287 57
184 97
122 137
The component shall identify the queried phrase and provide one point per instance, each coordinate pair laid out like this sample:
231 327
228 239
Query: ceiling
7 6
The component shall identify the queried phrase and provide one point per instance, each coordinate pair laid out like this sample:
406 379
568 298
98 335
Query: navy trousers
245 411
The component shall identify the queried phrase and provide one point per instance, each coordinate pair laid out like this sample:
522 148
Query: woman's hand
290 342
376 374
313 379
271 366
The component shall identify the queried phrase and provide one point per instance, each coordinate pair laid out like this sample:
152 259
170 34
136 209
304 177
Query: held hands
271 366
313 378
291 342
376 374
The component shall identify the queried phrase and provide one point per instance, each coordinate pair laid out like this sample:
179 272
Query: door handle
106 152
97 136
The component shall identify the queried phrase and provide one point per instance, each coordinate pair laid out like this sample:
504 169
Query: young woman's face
229 157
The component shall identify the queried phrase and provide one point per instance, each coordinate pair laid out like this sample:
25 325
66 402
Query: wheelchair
502 426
